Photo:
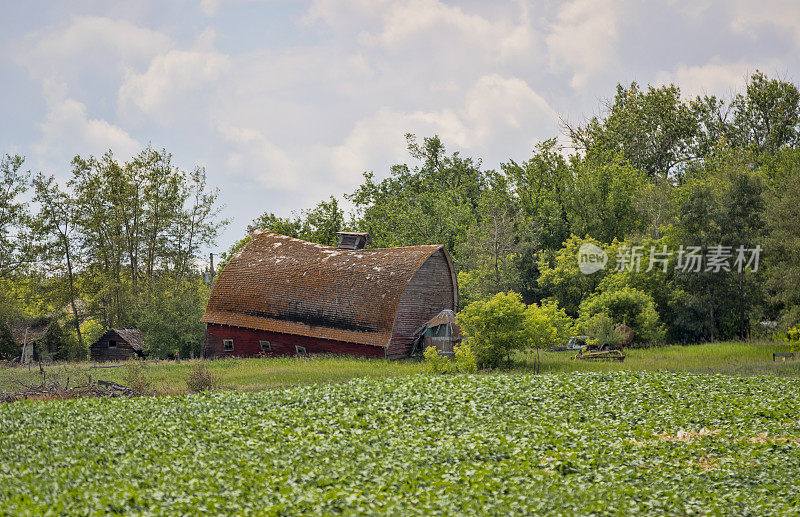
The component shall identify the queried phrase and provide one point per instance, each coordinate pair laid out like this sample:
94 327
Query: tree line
652 171
115 246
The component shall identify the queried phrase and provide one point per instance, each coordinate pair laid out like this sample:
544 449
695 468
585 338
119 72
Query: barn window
301 350
112 343
227 345
265 346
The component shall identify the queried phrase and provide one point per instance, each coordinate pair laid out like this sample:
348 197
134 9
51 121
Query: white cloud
446 32
582 41
170 80
498 106
88 40
68 130
431 20
209 7
751 17
498 114
259 159
714 78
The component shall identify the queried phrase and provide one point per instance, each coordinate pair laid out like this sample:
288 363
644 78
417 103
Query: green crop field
568 443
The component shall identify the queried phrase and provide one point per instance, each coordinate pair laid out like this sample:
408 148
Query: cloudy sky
286 103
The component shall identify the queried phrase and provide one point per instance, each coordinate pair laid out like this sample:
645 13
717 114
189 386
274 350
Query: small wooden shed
118 345
441 331
27 333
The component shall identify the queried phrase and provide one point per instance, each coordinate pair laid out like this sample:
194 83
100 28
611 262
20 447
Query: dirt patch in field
707 463
687 436
679 436
763 438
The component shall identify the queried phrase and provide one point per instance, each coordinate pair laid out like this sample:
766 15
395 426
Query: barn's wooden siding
100 351
432 288
247 343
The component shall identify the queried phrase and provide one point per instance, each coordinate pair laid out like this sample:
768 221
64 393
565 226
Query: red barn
285 296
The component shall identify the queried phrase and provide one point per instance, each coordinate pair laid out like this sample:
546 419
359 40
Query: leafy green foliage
783 242
9 349
767 116
592 443
170 320
626 306
602 330
792 336
435 202
15 241
563 325
654 129
436 362
496 328
491 251
562 279
504 324
466 362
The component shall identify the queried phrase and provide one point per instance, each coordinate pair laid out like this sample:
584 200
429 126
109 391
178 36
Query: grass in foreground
728 358
167 377
580 443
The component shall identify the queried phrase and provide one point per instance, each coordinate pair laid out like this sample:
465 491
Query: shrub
792 336
9 349
626 306
437 363
465 358
603 331
135 379
495 327
463 362
561 275
202 379
503 324
539 329
558 318
170 319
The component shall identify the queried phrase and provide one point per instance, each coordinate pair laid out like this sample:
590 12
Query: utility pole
209 275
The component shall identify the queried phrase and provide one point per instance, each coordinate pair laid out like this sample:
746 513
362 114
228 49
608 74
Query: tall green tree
653 129
766 117
170 317
140 220
782 246
15 244
56 226
434 202
491 253
603 197
724 207
543 185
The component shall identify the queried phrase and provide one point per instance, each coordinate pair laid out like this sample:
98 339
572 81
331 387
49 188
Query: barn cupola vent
353 240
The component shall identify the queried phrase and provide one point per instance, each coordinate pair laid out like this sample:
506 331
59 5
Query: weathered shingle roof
280 284
30 330
132 336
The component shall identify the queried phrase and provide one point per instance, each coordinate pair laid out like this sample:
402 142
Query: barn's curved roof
280 284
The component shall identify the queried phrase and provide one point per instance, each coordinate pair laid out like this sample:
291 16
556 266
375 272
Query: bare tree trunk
72 293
